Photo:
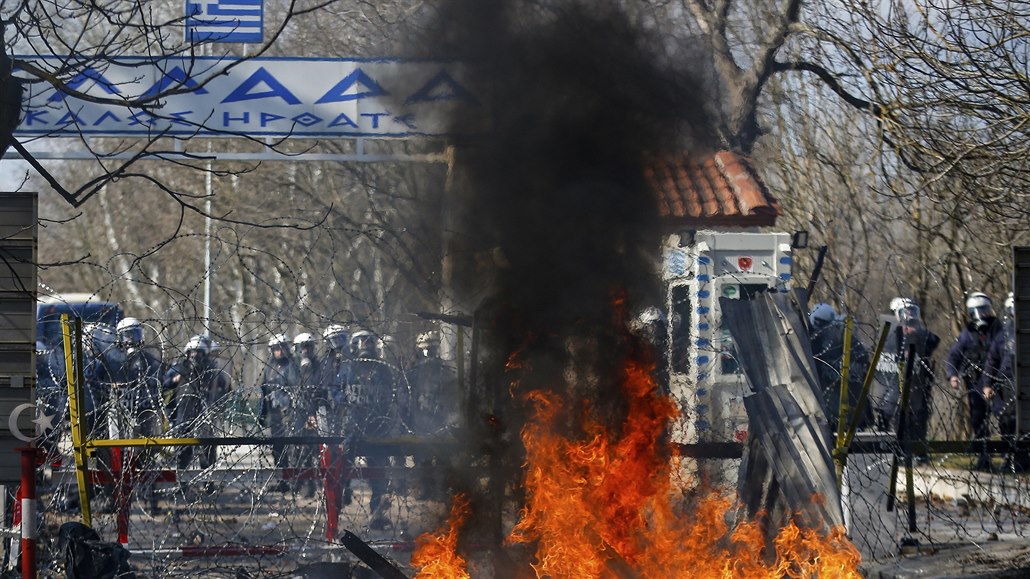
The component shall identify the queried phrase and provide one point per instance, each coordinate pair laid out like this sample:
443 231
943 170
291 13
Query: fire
436 554
584 498
604 504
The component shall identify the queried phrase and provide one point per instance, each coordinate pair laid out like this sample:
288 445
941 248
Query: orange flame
605 505
436 554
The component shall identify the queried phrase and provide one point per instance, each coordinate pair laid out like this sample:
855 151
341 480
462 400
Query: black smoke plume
554 211
554 219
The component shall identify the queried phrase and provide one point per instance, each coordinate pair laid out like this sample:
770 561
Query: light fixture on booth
799 240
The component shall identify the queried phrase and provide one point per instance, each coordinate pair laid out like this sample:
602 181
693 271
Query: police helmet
386 343
978 306
898 303
650 315
130 332
908 314
279 341
363 342
300 341
103 336
198 343
822 315
336 337
1010 305
427 340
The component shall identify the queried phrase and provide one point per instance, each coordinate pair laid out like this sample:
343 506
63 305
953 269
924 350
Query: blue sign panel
224 20
277 97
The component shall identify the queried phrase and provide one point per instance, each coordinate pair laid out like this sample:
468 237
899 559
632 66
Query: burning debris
606 503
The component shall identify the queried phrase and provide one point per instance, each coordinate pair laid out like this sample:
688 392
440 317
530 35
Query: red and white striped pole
28 513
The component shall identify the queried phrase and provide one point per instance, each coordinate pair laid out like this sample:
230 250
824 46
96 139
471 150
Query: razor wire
244 513
955 500
241 512
242 506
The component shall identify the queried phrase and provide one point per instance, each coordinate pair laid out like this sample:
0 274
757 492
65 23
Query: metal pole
906 445
845 375
370 557
459 362
815 272
209 191
28 513
904 435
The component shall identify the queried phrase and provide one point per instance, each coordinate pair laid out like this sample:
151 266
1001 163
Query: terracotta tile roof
718 189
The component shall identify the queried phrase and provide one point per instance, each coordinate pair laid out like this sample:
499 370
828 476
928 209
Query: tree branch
830 80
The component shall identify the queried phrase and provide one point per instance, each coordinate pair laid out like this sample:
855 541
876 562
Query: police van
89 307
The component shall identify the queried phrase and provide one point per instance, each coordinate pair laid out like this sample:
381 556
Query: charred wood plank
370 557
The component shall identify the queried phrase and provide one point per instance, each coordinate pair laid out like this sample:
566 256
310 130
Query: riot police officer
911 333
278 386
998 384
332 377
138 384
307 400
827 342
198 384
371 412
138 380
101 366
435 408
436 401
966 361
331 413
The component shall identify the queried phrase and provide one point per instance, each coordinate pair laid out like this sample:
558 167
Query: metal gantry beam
265 156
85 151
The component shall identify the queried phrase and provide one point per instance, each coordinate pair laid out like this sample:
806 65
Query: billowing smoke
554 208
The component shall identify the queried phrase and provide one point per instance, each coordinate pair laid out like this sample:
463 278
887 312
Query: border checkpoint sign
259 97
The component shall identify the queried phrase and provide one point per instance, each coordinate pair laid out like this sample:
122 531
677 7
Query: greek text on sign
275 97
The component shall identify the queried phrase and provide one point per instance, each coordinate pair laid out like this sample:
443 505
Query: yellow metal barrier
840 453
73 374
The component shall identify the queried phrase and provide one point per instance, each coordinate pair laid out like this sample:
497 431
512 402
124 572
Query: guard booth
717 217
18 242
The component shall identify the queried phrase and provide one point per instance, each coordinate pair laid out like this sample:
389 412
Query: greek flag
224 20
